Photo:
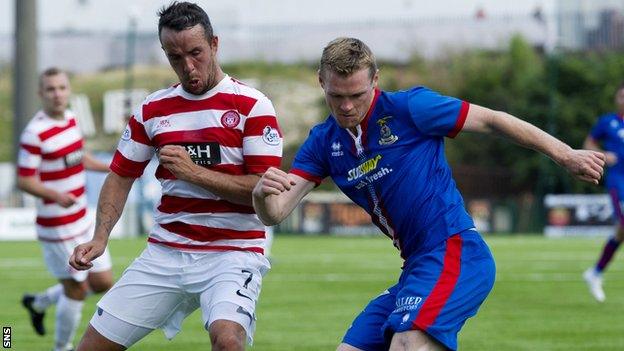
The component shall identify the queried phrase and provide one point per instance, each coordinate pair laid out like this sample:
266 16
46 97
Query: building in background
261 32
590 24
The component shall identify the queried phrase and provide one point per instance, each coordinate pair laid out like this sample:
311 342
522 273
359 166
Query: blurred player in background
385 150
608 132
214 138
51 165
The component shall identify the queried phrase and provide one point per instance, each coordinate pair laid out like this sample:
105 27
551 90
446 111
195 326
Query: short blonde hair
346 56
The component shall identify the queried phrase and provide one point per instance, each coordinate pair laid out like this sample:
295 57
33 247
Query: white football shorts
56 256
164 285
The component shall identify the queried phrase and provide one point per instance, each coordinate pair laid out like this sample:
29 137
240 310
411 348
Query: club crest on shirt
230 119
386 137
270 136
337 149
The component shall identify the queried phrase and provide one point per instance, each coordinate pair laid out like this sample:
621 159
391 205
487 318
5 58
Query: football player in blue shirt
609 131
385 151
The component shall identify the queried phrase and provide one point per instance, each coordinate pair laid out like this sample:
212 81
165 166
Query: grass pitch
318 285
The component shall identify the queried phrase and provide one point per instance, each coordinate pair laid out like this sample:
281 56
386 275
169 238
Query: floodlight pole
128 108
130 51
25 61
25 80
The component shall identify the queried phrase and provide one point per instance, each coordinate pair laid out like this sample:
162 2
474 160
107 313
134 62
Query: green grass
318 284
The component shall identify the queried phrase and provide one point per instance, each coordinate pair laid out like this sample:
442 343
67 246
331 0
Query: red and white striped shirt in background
240 122
52 148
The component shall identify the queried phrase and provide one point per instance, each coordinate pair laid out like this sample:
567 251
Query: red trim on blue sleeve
307 176
461 119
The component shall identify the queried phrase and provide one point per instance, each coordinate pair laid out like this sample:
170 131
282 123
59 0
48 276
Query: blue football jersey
609 130
395 168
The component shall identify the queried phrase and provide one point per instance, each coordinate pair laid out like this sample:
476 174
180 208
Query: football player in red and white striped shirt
214 137
51 165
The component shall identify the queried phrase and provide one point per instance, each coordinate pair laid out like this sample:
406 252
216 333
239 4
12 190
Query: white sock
68 313
49 297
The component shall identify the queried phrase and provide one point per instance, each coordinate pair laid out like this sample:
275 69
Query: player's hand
611 158
84 254
176 159
273 182
65 199
586 165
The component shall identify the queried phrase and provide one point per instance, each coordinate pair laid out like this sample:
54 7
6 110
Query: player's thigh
56 257
366 330
106 332
149 292
441 289
233 291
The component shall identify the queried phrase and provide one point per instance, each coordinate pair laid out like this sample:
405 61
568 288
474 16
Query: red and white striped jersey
231 129
52 148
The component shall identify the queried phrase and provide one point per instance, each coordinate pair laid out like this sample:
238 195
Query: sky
114 15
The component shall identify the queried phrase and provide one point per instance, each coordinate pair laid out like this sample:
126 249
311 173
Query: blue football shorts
436 293
615 185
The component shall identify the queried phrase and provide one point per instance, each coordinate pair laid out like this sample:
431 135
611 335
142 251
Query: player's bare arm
233 188
591 144
93 164
33 186
277 194
586 165
112 199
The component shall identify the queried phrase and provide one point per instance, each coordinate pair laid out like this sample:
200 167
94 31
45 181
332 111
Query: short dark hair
49 72
183 15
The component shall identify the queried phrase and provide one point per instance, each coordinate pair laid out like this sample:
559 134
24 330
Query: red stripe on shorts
444 287
461 119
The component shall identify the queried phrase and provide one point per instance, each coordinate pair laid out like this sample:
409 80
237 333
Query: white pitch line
20 262
27 262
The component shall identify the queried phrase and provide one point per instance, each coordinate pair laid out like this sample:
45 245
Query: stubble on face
54 91
193 58
348 97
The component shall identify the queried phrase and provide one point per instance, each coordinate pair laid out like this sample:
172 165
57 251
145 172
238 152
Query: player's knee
94 341
227 336
101 281
75 290
227 342
415 340
619 234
